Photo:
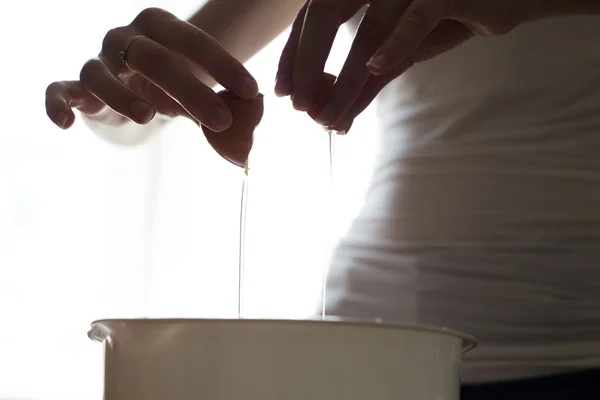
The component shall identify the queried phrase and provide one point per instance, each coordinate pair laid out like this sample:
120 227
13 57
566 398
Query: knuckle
149 17
491 22
426 11
416 20
505 22
418 16
493 27
112 39
503 29
397 40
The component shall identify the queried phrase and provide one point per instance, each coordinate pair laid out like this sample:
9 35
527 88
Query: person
483 213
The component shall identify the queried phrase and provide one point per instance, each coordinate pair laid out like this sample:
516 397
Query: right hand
168 61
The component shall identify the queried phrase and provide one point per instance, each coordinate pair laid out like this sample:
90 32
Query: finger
284 79
99 81
343 128
377 23
61 97
421 17
198 47
164 69
115 42
321 24
446 36
369 92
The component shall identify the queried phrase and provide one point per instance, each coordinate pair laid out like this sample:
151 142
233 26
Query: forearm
244 27
556 8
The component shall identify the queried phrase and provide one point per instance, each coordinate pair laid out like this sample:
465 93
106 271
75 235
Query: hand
164 58
393 36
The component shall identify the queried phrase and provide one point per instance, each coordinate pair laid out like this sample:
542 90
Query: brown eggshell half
235 143
323 92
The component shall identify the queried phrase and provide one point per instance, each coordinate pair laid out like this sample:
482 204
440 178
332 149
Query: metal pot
244 359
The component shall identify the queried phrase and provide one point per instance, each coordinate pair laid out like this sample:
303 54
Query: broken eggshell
323 93
235 143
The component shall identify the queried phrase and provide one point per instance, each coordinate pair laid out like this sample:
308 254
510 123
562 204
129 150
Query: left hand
392 37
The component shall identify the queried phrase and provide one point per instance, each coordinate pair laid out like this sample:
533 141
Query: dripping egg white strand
331 135
242 242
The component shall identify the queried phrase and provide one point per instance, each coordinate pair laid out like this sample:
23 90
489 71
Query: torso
484 210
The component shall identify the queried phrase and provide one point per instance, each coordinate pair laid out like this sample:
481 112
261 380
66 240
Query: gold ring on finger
123 53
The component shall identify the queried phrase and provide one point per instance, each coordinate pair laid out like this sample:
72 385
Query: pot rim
99 328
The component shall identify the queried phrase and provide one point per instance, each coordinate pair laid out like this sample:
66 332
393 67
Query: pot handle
99 332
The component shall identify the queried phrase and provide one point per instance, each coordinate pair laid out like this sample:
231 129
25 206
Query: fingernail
247 87
61 119
327 115
142 111
220 119
377 62
282 87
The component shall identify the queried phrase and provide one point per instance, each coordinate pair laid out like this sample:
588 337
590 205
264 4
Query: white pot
212 359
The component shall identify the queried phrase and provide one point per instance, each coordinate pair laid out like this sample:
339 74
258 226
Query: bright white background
89 230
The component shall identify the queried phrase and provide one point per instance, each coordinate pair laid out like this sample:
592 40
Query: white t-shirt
484 210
